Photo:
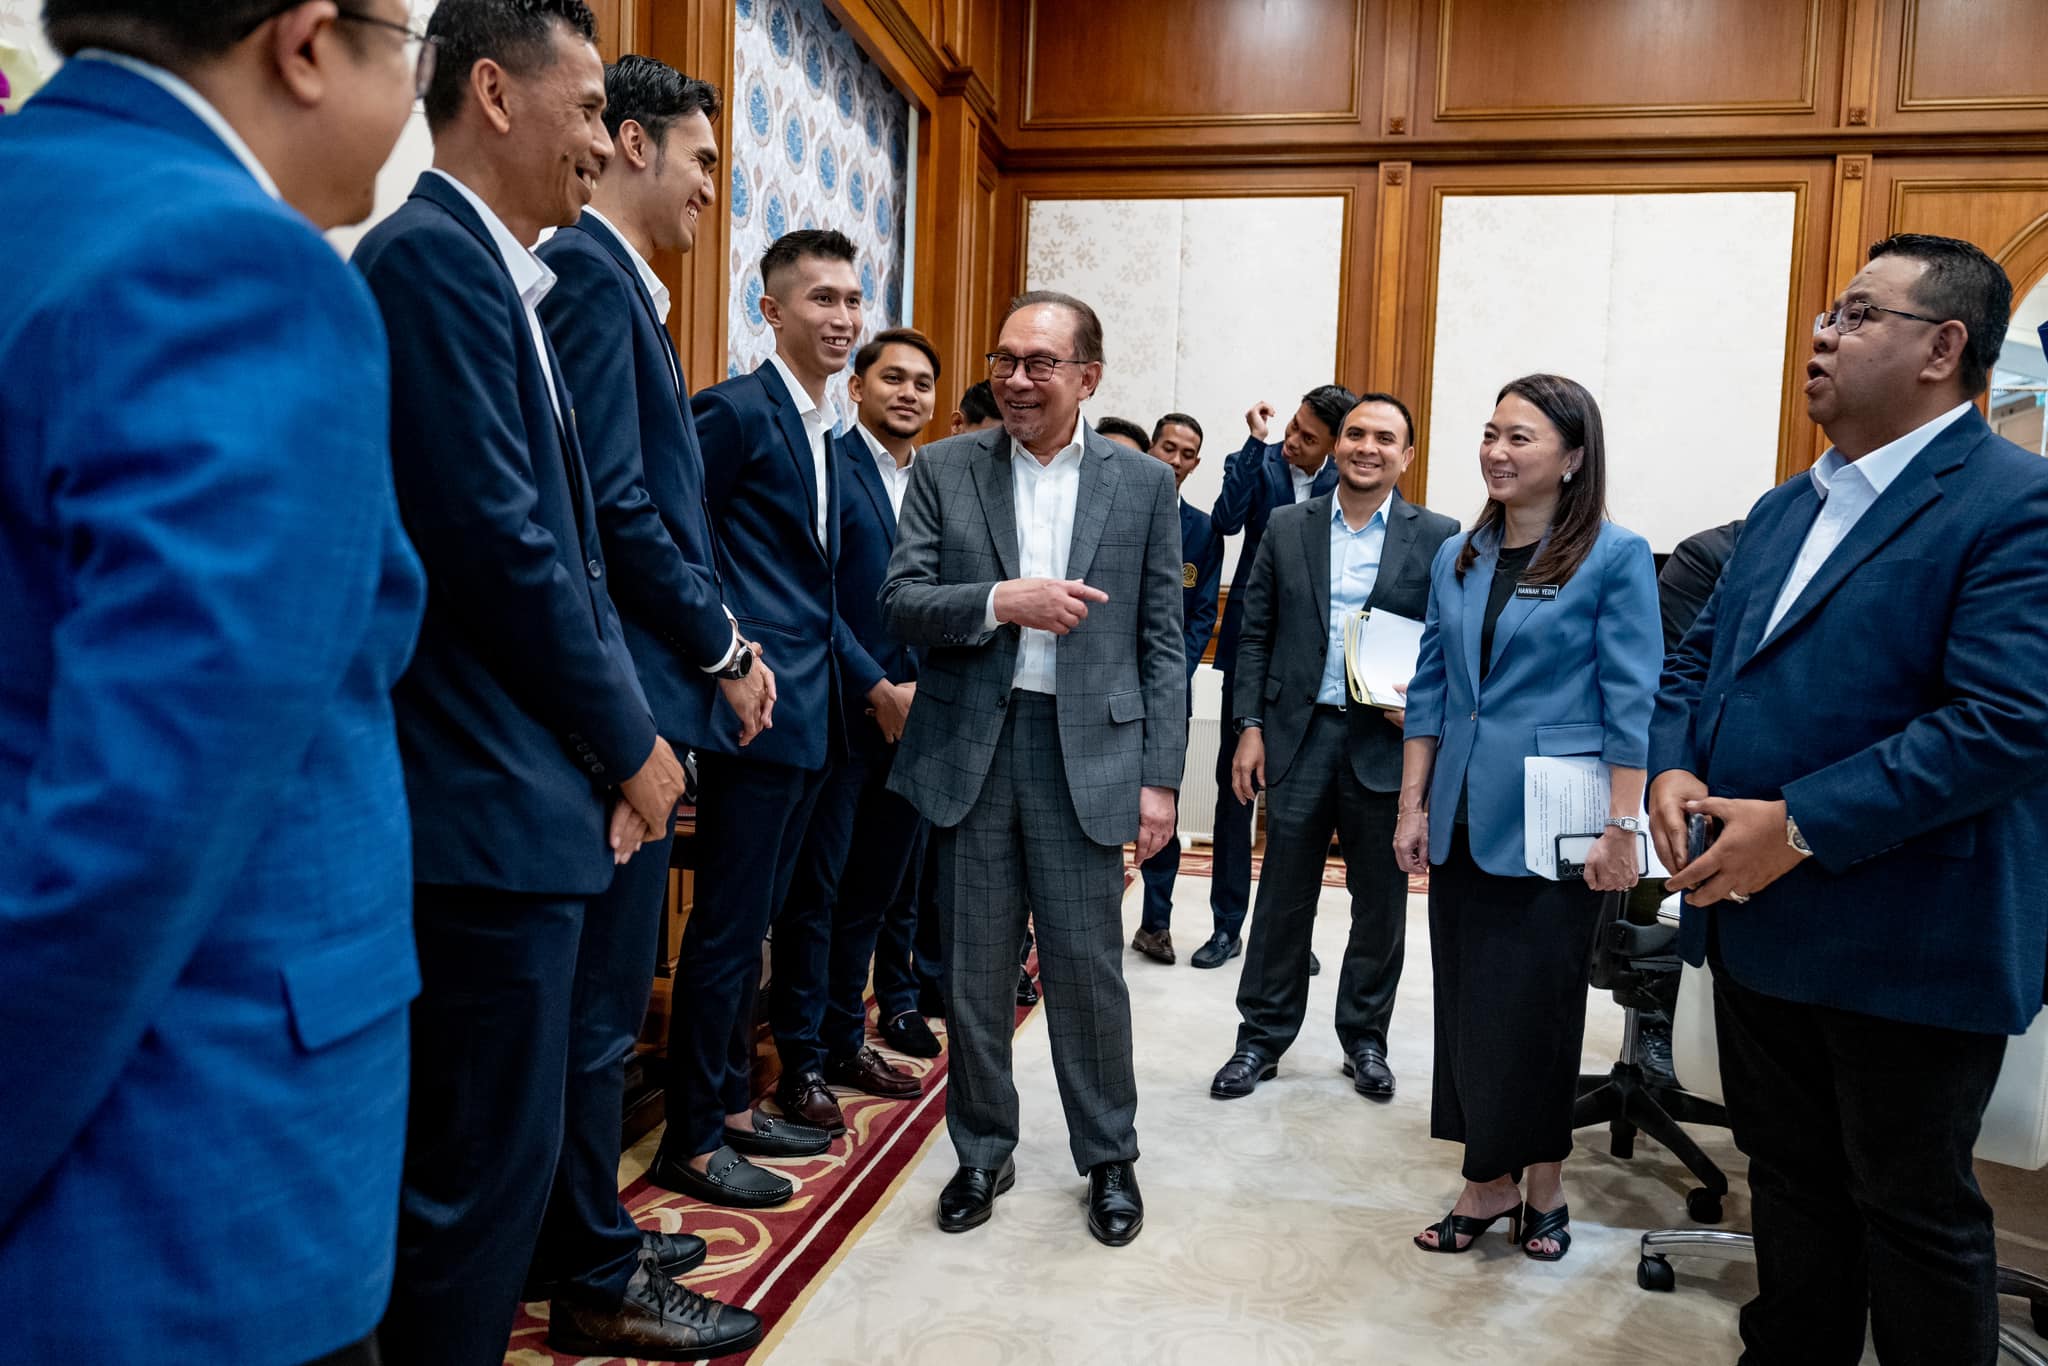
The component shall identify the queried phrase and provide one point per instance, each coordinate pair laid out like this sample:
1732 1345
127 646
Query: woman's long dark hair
1581 504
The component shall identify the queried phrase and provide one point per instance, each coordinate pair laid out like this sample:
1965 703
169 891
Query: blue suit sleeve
467 486
589 315
1628 647
1201 623
1424 717
1244 484
216 455
1678 695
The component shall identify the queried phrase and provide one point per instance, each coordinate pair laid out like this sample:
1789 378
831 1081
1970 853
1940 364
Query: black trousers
363 1353
490 1045
1509 959
589 1245
888 844
1319 797
910 964
1230 881
751 818
1863 1199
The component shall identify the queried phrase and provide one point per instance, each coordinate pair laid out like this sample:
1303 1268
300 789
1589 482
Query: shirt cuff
988 618
731 650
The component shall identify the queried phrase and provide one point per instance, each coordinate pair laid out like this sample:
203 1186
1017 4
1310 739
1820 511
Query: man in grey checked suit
1038 565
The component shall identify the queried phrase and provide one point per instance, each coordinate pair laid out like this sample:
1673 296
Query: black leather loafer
1116 1212
909 1035
730 1180
1242 1075
970 1197
1315 964
1369 1072
773 1136
1220 949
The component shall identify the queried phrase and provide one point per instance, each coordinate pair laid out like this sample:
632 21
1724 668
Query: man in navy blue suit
205 947
608 319
1256 479
774 496
863 837
532 762
1177 440
1859 711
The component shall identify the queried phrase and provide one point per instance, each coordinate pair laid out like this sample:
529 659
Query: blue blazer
867 537
1201 575
521 711
646 473
779 580
205 887
1898 711
1256 479
1574 674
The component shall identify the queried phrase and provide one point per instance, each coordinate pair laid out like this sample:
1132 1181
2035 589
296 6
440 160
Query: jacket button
1002 702
1475 716
596 569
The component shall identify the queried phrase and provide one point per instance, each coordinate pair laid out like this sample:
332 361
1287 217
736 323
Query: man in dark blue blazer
1859 710
521 721
1177 440
608 319
774 498
1257 479
205 948
863 837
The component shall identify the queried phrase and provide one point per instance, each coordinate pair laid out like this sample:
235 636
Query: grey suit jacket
1285 638
1119 674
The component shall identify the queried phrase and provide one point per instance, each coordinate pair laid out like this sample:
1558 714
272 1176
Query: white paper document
1380 649
1567 796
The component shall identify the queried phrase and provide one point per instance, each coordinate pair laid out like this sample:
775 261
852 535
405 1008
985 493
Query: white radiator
1198 779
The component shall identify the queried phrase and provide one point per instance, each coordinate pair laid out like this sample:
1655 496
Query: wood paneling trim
1390 243
1862 42
1909 65
1397 95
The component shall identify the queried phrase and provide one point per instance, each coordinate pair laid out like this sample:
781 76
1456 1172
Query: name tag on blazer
1542 592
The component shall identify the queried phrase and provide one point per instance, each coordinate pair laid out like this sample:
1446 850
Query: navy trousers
805 927
888 843
909 958
1230 884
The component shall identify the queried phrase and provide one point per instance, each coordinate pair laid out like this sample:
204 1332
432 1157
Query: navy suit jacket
762 488
867 537
1899 712
1256 479
1201 575
646 473
521 712
205 888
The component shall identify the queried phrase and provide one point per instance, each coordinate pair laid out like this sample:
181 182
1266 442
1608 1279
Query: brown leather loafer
806 1099
657 1320
870 1072
1156 945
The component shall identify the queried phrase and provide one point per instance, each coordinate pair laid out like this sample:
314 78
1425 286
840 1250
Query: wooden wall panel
1967 64
1999 203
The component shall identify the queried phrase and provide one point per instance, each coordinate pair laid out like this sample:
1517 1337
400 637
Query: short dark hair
1087 327
865 358
1122 426
1395 403
167 33
654 95
1179 419
978 404
1328 403
828 244
1964 285
518 35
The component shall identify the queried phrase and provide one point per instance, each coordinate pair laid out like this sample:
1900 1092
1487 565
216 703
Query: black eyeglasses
1850 316
1002 365
423 65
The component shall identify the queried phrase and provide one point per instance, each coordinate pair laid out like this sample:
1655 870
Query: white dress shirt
1304 484
184 94
815 424
655 288
895 479
1847 489
530 276
1044 497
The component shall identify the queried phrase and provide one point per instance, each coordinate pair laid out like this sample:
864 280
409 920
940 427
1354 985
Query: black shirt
1506 574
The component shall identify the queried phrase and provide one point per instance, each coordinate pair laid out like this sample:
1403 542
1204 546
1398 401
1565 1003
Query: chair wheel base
1654 1273
1703 1206
2040 1315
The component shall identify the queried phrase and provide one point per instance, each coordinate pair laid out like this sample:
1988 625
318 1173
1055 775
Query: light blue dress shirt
1354 569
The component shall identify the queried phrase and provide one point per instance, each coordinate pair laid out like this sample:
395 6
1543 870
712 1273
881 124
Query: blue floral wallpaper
819 141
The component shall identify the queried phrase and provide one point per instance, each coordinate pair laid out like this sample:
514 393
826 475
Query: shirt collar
655 287
1073 448
1887 462
1379 514
203 109
806 406
530 275
882 453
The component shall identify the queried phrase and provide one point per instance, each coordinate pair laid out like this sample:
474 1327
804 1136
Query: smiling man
1329 765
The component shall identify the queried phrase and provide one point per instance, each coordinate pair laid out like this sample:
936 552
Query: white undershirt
815 424
895 478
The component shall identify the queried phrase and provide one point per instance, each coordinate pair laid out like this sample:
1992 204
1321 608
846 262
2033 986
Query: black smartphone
1699 833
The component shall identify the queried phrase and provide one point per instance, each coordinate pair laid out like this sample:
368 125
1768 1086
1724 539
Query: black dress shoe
1027 990
970 1197
1315 964
657 1320
673 1253
1115 1209
1242 1075
1220 949
1369 1072
730 1180
908 1034
773 1136
931 1004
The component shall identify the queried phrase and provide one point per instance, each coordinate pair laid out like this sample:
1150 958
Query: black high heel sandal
1554 1224
1456 1226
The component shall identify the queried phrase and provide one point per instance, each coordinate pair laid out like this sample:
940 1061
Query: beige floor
1277 1226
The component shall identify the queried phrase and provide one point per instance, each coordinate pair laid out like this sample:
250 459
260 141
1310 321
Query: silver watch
1628 823
1795 839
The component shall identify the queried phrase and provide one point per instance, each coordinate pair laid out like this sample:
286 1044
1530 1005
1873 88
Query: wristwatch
1627 823
1795 839
742 663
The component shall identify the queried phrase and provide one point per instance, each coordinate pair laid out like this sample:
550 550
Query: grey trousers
1020 846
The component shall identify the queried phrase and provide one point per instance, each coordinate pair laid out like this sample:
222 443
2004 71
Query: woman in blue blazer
1542 638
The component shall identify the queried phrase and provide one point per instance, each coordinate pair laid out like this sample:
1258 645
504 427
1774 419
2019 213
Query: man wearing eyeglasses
205 899
1862 699
1038 566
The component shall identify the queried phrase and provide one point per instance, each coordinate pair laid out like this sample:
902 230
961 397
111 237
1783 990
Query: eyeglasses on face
1002 365
1850 316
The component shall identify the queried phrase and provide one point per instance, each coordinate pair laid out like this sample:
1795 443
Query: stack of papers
1380 651
1567 796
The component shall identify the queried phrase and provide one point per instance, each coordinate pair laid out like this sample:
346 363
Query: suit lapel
799 443
996 484
1472 602
1091 508
1400 540
869 477
1775 556
598 233
1315 544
